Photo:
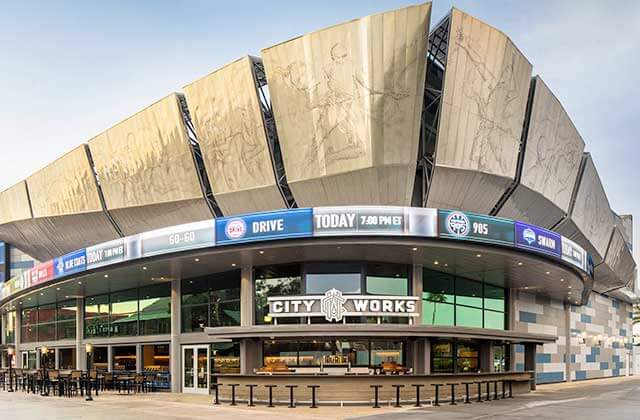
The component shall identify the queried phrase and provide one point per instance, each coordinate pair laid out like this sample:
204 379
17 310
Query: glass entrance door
195 369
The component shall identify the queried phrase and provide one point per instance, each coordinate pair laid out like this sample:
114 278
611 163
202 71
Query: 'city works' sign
334 306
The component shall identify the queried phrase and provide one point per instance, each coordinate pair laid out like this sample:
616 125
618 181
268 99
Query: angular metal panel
230 129
347 102
145 161
591 220
618 267
483 103
551 163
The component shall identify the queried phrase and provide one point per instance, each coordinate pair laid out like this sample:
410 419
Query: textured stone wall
599 334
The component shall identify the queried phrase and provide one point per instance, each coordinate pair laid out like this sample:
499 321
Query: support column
17 356
139 358
249 356
417 289
56 358
511 322
109 358
174 346
567 350
247 297
530 362
485 356
81 354
427 356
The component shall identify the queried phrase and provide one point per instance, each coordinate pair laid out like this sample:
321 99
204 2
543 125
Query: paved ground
607 399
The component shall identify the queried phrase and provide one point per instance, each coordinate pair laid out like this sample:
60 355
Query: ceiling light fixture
547 272
478 255
233 264
79 282
261 252
414 249
197 260
144 268
106 276
436 262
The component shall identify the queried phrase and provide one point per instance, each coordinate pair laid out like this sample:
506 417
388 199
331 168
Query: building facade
380 196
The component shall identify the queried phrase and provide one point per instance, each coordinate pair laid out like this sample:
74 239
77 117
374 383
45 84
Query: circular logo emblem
529 235
235 228
457 224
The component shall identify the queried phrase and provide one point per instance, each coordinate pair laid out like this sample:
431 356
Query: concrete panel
551 163
591 220
347 102
229 125
14 203
485 92
146 161
618 267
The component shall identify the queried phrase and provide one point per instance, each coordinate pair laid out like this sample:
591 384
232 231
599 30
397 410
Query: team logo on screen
235 228
331 305
457 224
529 236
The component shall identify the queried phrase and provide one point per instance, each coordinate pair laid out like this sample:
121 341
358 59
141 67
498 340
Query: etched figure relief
343 106
491 93
234 146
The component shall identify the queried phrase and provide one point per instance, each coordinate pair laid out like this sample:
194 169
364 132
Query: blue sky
69 70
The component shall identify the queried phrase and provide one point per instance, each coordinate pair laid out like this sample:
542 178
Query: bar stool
375 395
292 404
510 388
397 387
495 390
250 401
504 386
417 386
437 403
488 390
233 393
479 391
216 399
453 393
270 387
466 398
313 395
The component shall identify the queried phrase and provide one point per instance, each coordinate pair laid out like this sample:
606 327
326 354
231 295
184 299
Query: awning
375 330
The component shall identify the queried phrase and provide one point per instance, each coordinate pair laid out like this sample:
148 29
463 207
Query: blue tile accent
519 367
591 358
575 331
546 377
527 317
595 350
615 358
615 345
615 303
573 358
543 358
604 365
616 372
519 348
584 318
581 374
21 264
623 332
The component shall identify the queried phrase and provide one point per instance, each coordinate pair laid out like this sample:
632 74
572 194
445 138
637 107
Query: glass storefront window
280 353
99 359
225 358
455 301
155 309
48 359
124 358
28 329
10 327
66 320
467 357
155 358
47 332
212 301
386 351
280 280
67 359
124 313
500 358
442 357
320 277
96 316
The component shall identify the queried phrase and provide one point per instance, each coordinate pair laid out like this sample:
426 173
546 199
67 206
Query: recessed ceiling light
561 280
106 276
41 294
526 287
66 297
261 252
547 272
478 255
197 260
446 265
29 299
570 287
233 264
436 262
57 288
79 282
568 293
144 268
520 262
414 249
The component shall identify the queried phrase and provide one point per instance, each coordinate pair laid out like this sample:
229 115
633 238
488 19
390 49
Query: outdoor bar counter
356 388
